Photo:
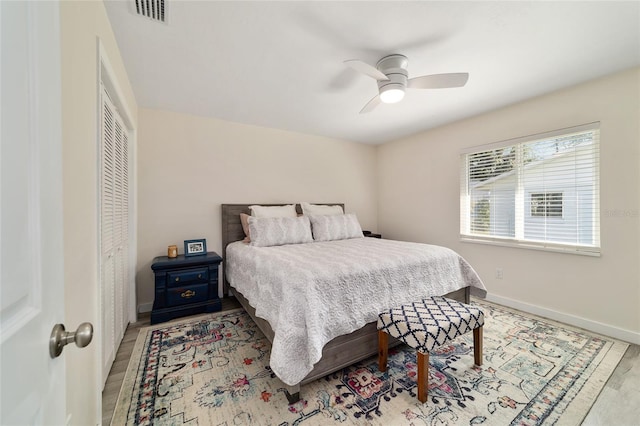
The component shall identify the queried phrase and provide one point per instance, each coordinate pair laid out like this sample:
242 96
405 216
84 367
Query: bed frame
336 354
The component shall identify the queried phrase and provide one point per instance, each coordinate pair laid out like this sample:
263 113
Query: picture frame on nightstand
195 247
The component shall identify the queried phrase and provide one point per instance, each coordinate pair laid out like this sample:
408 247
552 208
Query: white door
32 384
107 235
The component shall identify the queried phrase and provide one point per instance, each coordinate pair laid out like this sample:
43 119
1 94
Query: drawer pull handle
177 279
188 294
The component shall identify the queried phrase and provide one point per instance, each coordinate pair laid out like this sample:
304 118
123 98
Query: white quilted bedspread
311 293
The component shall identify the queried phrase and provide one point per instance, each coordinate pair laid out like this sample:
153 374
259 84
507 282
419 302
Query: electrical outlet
499 273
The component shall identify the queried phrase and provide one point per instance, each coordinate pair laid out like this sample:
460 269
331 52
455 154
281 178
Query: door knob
59 338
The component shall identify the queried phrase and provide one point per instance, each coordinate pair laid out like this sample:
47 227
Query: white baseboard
594 326
147 307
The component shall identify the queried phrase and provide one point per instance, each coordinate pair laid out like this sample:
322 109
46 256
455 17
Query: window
546 204
539 191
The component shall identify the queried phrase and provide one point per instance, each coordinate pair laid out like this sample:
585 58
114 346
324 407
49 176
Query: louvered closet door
107 261
117 234
114 231
124 239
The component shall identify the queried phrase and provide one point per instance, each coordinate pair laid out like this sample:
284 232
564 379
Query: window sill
532 245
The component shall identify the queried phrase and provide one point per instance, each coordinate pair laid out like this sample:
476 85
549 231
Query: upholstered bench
425 325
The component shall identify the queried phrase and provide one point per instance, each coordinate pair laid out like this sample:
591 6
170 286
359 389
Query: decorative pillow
274 211
335 227
244 220
318 209
278 231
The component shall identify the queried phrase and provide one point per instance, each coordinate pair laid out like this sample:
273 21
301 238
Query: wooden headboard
232 228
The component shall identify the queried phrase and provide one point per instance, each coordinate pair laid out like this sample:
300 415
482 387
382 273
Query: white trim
587 324
35 79
465 207
133 224
98 307
108 76
105 75
532 245
145 307
537 136
519 196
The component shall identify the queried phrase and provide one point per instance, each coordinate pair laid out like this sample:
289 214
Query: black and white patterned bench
425 325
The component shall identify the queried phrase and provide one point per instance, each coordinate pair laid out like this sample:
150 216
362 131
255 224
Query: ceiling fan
393 78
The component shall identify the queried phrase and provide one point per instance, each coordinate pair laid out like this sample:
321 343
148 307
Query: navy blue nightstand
371 235
185 286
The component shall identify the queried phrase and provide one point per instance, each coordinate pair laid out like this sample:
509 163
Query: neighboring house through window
540 191
546 204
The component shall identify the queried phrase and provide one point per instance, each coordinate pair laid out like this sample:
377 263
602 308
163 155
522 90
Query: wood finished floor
618 403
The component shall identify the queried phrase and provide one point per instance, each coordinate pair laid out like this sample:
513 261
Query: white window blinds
540 191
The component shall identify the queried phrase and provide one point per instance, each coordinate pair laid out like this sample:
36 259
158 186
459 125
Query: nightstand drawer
187 277
187 294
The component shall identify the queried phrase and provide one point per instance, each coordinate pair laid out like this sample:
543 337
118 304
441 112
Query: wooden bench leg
423 376
477 345
383 350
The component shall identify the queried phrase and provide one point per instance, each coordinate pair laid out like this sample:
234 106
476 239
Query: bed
344 342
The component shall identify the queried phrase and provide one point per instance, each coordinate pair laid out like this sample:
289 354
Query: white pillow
278 231
274 211
335 227
318 209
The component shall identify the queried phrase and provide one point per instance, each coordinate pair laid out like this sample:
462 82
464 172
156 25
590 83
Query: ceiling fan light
391 93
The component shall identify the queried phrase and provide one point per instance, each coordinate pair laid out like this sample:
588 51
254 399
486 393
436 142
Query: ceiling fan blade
371 105
439 81
367 69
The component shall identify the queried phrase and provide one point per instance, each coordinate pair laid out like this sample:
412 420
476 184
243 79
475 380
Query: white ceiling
280 64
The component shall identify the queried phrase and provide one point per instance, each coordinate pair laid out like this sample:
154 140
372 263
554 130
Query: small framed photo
195 247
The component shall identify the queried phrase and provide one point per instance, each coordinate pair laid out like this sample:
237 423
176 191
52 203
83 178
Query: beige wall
190 165
81 24
418 200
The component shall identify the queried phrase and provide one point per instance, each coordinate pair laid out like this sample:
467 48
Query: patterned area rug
214 370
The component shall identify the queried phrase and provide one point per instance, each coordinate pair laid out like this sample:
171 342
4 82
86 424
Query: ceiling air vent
152 9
